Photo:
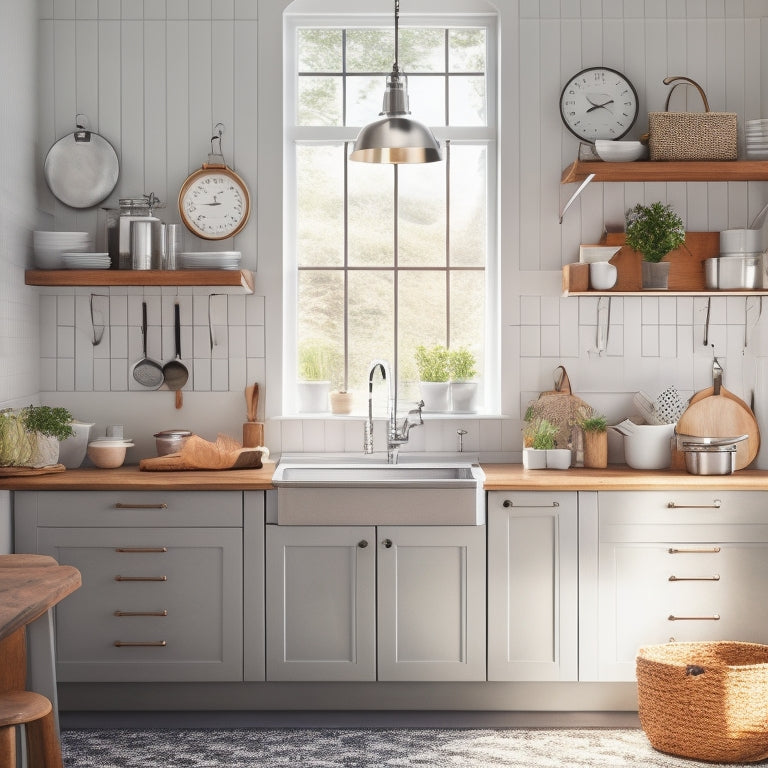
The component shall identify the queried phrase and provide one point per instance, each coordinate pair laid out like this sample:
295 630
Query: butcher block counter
499 477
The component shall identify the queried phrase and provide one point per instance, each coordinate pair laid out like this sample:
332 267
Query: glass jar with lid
119 227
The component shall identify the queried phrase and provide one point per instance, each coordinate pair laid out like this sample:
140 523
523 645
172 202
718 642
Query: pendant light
396 138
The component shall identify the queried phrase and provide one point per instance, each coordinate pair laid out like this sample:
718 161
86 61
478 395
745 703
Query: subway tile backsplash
91 339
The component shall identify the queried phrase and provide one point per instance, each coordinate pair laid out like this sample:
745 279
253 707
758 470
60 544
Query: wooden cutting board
723 415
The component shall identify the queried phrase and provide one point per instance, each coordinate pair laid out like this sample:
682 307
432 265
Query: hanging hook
81 121
219 130
97 329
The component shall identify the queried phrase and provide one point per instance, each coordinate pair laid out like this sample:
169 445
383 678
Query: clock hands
595 105
215 201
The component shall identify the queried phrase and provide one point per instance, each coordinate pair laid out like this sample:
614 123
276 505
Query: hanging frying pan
81 168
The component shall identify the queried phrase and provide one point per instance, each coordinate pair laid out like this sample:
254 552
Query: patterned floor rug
363 748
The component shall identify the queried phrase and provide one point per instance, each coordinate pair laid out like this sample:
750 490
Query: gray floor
356 719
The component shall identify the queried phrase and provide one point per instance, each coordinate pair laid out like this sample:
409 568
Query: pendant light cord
397 33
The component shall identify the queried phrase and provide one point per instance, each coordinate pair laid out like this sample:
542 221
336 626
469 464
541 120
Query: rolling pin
253 431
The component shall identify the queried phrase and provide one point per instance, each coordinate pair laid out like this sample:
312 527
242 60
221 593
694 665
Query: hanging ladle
174 371
146 371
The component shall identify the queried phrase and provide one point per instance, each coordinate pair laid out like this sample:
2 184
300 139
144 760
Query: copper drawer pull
714 505
148 644
161 505
714 617
703 551
716 577
509 503
141 613
132 550
141 578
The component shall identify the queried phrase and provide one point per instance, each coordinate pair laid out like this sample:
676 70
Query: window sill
327 415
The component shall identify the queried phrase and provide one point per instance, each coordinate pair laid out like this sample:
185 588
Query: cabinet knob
387 543
362 544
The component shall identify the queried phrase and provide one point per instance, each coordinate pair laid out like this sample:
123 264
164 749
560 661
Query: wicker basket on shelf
707 701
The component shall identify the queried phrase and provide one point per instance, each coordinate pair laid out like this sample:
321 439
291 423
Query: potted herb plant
30 437
434 376
462 371
538 438
654 231
595 429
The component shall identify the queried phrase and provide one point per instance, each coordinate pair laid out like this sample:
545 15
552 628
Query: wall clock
598 103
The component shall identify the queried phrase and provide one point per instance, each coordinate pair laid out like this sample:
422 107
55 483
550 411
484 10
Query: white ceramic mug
602 275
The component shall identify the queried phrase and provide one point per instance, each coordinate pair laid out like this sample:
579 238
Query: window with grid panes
384 258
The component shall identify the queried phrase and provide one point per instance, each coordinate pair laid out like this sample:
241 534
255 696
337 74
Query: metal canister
119 227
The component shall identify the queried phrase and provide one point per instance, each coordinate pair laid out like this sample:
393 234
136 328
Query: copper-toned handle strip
694 551
132 550
147 644
141 578
160 505
714 577
714 617
141 613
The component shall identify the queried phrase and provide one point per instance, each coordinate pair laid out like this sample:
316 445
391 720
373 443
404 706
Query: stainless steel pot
709 455
171 440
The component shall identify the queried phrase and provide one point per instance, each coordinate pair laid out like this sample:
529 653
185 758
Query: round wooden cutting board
723 415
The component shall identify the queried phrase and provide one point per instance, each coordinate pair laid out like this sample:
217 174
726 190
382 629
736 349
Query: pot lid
81 168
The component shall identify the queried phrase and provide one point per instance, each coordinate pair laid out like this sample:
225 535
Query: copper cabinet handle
713 617
714 577
133 550
141 578
141 613
694 551
146 644
159 505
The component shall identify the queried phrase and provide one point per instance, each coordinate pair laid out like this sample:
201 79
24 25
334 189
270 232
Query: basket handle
562 382
687 81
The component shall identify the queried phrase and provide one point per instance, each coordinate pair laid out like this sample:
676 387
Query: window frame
487 135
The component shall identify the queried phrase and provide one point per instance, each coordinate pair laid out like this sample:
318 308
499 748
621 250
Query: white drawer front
155 605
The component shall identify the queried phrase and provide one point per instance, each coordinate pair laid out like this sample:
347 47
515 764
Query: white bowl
620 151
741 241
107 454
649 446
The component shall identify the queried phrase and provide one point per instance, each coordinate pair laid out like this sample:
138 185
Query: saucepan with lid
709 455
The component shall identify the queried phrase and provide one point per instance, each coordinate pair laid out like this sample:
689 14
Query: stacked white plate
49 247
211 260
86 260
756 138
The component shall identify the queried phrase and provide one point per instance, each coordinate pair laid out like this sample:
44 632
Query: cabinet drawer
105 509
160 604
694 516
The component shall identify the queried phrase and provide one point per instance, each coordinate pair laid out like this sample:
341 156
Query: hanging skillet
81 168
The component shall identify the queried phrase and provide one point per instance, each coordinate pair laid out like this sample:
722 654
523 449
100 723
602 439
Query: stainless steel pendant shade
396 138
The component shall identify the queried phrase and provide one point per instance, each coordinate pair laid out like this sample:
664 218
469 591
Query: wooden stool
34 712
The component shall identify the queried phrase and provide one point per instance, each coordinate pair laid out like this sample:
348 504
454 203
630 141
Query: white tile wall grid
154 77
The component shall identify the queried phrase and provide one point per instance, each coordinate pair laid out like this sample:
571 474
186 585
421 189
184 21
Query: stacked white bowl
756 139
49 247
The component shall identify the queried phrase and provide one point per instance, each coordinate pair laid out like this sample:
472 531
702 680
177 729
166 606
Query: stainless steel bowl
171 440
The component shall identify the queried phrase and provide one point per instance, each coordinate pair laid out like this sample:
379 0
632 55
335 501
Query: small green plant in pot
434 374
317 364
538 438
595 429
462 369
654 231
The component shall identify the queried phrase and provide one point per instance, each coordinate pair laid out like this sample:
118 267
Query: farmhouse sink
367 493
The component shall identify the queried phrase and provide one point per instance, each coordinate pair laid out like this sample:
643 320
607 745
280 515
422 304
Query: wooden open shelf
686 275
646 170
235 278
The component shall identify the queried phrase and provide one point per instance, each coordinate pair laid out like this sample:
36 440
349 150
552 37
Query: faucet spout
397 435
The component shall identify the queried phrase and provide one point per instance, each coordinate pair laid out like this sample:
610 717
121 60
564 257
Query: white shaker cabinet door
321 612
431 598
532 586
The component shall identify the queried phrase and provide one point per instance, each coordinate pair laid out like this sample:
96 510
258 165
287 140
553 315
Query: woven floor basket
707 701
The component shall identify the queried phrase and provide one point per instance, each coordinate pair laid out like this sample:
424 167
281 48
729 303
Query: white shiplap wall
156 76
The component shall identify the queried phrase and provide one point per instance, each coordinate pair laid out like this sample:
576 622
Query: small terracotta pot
341 402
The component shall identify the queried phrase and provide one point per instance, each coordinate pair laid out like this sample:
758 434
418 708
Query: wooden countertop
499 477
131 477
512 477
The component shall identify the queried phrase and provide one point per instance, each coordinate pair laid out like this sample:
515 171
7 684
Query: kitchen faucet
397 435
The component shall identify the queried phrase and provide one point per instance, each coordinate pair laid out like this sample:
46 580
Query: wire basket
707 701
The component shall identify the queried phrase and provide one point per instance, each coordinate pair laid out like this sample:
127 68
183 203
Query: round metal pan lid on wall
81 168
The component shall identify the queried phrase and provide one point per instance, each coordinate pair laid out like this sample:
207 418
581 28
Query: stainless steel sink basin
379 494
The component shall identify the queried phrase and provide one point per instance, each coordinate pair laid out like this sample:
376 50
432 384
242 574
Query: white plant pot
534 458
313 396
464 396
436 396
46 453
558 458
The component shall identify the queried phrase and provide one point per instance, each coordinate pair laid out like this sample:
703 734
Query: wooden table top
29 586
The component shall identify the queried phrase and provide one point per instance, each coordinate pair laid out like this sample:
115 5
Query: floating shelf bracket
575 195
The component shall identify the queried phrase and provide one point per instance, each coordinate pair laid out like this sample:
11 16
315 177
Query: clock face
598 103
214 203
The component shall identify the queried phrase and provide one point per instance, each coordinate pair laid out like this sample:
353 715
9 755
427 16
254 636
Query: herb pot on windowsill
341 402
313 396
464 396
